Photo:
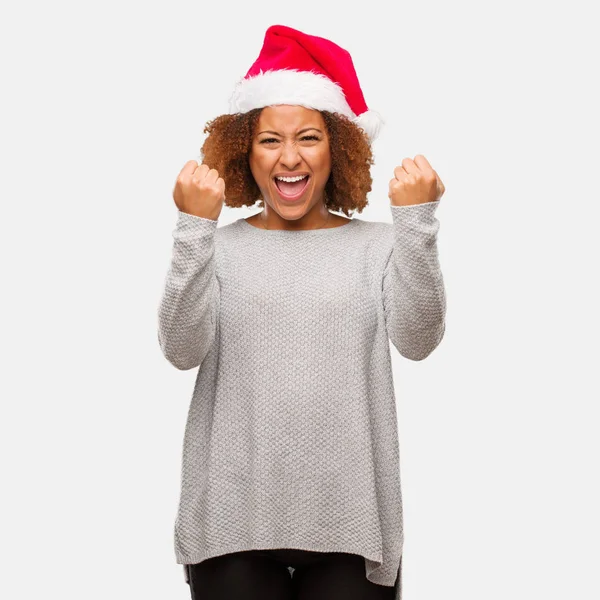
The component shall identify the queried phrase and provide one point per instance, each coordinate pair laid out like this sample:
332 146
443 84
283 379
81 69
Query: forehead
288 118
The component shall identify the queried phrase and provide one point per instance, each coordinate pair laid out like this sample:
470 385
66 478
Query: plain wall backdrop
102 105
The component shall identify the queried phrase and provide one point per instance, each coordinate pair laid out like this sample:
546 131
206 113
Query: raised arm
189 308
413 287
187 316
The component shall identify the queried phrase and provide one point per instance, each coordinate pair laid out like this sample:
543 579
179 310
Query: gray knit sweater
291 438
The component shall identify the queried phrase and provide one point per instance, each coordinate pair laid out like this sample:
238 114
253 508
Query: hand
199 191
415 182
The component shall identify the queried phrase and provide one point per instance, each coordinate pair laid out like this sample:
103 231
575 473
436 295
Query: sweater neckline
288 233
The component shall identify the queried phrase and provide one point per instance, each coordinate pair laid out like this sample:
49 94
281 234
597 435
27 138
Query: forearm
413 286
187 315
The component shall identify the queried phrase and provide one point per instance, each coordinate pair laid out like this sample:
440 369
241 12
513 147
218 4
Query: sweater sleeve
187 315
413 288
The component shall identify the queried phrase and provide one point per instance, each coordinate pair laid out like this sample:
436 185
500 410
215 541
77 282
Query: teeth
292 179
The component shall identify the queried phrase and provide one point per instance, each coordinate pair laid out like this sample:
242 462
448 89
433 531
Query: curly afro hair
228 146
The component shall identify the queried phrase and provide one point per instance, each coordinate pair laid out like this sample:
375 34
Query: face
291 141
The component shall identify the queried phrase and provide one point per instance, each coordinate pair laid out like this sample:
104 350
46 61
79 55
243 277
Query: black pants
264 575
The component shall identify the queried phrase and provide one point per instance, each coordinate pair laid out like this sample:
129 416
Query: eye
306 137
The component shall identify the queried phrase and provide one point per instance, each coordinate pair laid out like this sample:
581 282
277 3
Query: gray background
103 103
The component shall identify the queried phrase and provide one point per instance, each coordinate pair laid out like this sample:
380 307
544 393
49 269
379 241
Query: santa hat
306 70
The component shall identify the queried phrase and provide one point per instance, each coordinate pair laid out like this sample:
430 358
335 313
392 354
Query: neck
319 221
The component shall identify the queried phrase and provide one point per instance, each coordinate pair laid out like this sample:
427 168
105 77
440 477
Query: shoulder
375 240
379 233
228 231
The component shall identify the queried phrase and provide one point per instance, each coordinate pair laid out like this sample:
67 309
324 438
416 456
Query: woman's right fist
199 191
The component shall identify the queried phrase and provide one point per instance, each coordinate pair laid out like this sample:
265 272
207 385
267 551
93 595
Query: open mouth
291 190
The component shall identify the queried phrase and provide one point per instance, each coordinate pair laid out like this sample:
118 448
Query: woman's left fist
415 182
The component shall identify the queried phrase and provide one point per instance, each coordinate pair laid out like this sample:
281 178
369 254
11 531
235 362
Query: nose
290 157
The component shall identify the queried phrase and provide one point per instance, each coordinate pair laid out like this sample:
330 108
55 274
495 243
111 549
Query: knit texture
291 438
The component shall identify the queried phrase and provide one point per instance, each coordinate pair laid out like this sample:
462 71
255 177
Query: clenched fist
415 182
199 191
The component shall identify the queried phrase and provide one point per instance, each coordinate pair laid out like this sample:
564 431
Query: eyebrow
301 131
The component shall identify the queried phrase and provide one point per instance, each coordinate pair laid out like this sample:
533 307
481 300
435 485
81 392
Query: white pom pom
371 121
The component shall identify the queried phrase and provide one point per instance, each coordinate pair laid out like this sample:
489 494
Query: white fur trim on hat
303 88
289 86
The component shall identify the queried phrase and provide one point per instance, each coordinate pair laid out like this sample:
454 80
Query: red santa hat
306 70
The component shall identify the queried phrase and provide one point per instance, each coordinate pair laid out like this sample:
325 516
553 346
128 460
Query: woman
291 455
